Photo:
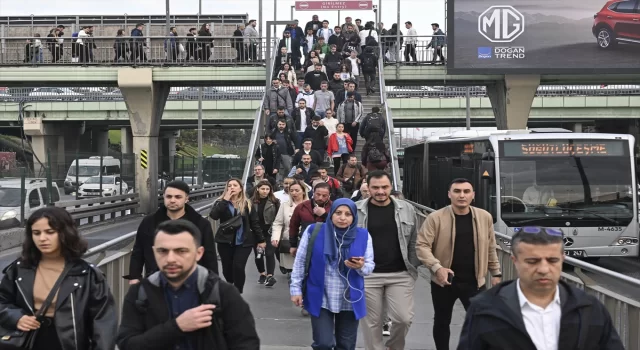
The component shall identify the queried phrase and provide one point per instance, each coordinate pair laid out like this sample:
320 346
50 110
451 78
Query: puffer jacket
85 311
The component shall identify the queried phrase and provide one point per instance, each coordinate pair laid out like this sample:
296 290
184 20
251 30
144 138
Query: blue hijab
335 238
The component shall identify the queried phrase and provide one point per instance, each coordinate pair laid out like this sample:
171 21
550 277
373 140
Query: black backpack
374 123
370 41
369 62
375 155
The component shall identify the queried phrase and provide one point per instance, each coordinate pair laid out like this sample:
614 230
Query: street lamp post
168 18
200 175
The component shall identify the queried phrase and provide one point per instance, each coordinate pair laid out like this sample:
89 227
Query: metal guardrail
120 50
395 170
481 91
102 207
260 122
97 94
424 53
217 93
624 312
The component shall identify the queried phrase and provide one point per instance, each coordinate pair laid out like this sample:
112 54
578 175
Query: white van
88 168
36 197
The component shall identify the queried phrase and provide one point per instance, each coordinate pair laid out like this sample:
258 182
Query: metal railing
96 94
624 312
260 122
104 208
395 170
145 50
481 91
424 53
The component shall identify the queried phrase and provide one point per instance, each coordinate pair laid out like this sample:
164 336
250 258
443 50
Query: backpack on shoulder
214 299
374 123
375 155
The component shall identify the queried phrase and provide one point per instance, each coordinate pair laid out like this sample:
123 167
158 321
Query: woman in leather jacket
268 206
236 243
82 315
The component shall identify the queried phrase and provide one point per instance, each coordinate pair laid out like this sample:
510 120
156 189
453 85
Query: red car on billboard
618 21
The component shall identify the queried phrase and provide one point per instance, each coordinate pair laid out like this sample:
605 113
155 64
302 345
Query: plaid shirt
334 283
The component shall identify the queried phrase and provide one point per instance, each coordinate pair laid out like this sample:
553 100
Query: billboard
321 5
543 36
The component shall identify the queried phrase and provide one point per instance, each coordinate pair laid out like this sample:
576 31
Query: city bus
583 184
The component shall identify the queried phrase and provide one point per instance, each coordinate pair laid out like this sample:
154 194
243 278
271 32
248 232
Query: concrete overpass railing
624 312
124 51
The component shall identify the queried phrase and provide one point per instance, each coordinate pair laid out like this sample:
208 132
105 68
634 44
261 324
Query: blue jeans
334 331
322 114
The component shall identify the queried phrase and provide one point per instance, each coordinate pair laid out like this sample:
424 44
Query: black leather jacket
250 221
85 315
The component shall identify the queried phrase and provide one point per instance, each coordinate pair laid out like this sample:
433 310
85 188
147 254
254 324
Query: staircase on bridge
369 102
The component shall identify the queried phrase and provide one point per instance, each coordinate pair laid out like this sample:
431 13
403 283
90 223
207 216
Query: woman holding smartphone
332 290
236 237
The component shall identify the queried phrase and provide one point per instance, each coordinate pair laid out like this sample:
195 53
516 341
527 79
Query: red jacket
332 145
302 217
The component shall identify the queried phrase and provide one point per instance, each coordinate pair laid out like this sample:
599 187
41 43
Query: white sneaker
386 329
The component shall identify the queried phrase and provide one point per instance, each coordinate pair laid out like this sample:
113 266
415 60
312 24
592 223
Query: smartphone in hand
450 278
355 259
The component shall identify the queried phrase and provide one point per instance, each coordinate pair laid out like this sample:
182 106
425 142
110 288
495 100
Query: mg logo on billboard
501 24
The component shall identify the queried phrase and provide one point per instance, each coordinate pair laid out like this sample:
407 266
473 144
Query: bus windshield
560 180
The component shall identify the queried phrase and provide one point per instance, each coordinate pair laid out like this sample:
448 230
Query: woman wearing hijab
339 255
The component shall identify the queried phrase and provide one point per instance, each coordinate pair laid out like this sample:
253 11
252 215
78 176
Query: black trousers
353 132
47 338
369 80
410 51
269 255
443 300
234 260
437 52
337 161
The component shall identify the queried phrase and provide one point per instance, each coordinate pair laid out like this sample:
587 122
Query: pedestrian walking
457 244
328 276
391 223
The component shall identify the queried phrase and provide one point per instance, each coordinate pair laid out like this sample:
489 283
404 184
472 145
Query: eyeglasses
537 230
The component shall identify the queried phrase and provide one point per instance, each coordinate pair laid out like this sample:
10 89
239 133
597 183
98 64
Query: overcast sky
420 12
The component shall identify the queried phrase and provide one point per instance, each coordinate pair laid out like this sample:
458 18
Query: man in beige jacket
457 244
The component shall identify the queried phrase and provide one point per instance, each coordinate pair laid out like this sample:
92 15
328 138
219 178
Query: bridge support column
53 145
511 100
100 141
168 151
145 102
126 140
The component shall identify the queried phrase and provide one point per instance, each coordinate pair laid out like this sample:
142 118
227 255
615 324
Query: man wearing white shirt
411 42
538 311
283 194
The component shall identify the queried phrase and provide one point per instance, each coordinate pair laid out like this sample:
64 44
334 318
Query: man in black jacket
176 196
184 306
318 135
306 168
315 77
510 315
307 148
268 155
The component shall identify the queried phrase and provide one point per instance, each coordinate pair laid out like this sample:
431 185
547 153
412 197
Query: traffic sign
144 159
321 5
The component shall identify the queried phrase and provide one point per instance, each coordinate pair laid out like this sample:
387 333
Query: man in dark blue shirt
180 300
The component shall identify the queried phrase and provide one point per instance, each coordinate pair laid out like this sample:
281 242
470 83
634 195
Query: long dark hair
72 245
256 196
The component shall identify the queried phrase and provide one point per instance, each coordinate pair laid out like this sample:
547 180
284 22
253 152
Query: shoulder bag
17 339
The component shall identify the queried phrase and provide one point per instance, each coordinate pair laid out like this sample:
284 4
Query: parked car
35 196
618 21
111 186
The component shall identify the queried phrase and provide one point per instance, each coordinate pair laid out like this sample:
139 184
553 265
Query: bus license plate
575 253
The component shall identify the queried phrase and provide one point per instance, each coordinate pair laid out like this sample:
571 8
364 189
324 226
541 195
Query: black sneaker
262 279
270 281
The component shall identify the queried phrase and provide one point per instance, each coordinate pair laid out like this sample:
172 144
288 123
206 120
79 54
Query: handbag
17 339
227 229
284 247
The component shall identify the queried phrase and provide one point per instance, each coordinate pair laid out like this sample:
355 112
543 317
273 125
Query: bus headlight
625 241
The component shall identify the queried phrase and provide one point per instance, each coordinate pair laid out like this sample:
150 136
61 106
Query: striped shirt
334 283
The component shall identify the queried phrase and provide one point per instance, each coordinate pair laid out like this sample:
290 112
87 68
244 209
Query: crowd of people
352 265
301 49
